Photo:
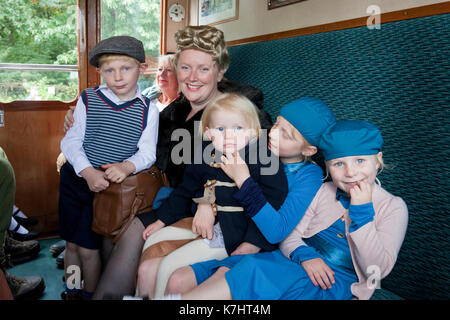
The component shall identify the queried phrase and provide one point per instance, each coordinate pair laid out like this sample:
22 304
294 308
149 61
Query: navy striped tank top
112 131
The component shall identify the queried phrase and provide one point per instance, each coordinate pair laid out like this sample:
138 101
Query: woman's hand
203 223
117 172
151 229
68 118
95 179
236 168
361 194
245 248
319 273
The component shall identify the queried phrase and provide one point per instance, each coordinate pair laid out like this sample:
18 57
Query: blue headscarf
351 138
310 116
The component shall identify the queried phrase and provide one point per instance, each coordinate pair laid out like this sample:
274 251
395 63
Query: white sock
176 296
14 224
20 213
132 298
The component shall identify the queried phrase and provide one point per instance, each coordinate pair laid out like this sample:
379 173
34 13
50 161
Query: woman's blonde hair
204 38
232 102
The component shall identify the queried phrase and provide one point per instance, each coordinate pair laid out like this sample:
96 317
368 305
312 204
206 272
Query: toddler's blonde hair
236 103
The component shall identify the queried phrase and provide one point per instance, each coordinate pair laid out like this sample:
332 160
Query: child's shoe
19 232
57 247
60 260
22 219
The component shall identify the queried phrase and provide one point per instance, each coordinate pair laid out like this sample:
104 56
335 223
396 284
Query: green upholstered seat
398 79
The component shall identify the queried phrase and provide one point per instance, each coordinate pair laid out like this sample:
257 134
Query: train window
38 50
137 18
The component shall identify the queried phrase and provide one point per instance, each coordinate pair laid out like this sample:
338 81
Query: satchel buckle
140 194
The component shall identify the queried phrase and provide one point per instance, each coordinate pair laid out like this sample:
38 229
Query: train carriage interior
382 61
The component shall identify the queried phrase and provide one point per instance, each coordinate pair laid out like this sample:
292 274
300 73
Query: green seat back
398 79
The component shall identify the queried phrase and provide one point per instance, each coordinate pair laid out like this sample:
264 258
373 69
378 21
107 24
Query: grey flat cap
126 45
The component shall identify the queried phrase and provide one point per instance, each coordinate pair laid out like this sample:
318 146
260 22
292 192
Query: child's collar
138 94
292 168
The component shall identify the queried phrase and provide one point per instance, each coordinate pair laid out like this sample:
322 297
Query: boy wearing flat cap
114 135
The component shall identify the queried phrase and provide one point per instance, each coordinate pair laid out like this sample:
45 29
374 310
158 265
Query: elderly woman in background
165 89
201 61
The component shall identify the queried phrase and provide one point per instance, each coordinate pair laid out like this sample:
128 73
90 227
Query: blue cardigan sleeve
277 225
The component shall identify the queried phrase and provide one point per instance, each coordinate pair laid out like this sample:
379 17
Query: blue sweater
335 234
304 180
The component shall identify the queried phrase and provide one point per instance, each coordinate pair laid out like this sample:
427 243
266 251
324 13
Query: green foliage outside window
44 32
139 19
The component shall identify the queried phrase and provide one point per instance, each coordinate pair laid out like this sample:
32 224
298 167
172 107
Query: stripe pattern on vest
112 131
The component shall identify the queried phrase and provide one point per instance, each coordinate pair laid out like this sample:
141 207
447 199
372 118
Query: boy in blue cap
294 139
114 135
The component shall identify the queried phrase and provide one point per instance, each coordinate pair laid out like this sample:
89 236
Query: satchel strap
134 209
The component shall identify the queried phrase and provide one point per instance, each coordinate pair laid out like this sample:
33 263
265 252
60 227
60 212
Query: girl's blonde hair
108 57
236 103
204 38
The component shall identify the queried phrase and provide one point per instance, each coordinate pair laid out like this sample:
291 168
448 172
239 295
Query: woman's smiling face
198 76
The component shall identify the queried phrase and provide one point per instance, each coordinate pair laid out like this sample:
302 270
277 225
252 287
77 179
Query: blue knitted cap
351 138
310 116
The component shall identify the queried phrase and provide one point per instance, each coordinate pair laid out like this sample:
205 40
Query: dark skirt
76 210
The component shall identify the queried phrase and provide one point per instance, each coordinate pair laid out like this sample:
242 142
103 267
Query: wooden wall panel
31 141
33 132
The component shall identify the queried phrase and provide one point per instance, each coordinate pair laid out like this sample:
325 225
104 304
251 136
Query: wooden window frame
88 35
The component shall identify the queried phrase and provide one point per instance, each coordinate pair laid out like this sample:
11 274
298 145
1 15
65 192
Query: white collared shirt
72 143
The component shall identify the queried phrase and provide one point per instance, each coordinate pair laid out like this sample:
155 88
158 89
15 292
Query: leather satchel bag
116 206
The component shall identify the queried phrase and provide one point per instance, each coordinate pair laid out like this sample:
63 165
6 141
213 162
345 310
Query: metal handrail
39 67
